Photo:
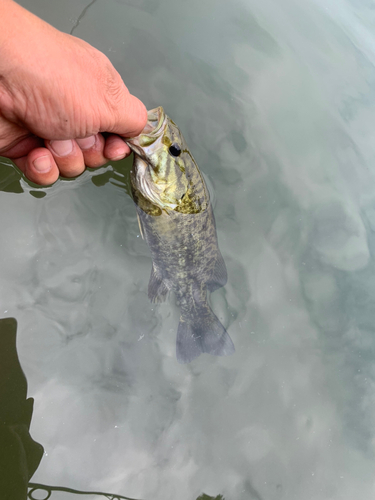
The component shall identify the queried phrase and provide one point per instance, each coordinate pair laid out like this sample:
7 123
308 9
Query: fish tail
201 332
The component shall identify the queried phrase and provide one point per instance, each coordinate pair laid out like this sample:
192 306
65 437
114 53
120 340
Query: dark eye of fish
175 149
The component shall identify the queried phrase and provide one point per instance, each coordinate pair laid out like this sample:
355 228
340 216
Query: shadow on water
13 181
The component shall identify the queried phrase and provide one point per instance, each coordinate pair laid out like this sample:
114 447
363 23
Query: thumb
130 116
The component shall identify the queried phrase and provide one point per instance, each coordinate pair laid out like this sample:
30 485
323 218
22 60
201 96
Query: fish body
177 222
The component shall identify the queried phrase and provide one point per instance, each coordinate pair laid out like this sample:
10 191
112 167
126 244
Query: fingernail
62 148
118 153
118 157
87 142
42 164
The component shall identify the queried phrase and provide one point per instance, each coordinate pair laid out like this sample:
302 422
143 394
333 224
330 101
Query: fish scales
177 222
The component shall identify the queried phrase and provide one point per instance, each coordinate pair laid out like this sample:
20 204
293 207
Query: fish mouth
156 120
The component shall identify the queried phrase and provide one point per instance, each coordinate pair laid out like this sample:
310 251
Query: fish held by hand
177 222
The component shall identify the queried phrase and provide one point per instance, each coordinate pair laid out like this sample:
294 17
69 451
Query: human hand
58 94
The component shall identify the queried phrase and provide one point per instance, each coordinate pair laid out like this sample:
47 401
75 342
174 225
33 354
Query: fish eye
175 149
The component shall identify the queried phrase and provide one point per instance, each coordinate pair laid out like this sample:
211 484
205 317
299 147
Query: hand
57 95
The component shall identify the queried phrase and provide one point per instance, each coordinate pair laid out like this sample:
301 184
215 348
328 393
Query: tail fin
202 333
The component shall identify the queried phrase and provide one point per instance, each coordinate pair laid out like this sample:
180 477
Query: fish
176 220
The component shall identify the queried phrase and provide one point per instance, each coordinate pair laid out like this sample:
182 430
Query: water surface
276 101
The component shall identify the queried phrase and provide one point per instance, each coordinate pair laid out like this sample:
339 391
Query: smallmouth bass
176 220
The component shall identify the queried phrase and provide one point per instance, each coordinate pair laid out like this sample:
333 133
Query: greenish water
276 101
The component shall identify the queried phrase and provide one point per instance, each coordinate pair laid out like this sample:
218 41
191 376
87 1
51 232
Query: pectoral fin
157 290
140 227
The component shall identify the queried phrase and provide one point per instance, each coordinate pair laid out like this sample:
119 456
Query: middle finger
68 157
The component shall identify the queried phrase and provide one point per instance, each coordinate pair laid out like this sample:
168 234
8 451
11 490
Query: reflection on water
20 455
276 101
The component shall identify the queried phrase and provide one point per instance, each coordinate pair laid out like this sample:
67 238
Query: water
276 100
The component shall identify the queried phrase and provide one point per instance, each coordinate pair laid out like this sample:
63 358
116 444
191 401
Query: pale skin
58 96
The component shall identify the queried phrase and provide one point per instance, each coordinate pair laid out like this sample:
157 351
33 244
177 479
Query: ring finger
92 148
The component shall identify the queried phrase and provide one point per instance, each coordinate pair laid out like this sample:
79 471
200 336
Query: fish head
162 162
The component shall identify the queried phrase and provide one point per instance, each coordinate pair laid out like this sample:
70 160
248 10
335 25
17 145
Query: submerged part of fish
176 220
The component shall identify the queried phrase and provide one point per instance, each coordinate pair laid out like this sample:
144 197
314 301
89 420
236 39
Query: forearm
19 30
39 67
24 55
